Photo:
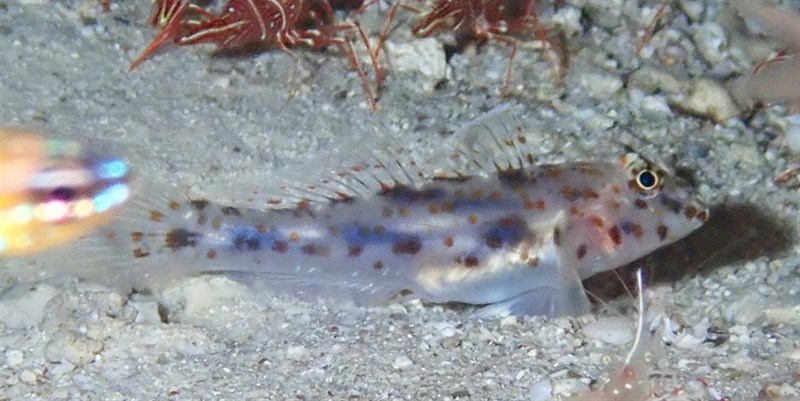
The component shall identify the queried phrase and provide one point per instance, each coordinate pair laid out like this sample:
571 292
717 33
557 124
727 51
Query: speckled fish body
519 239
53 191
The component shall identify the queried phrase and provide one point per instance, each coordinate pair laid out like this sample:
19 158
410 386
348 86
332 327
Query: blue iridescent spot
112 169
110 197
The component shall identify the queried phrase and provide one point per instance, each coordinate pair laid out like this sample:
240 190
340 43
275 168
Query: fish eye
64 194
646 180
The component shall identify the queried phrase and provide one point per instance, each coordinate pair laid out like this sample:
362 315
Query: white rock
28 376
402 362
655 106
77 350
600 86
569 20
297 353
424 56
14 357
710 99
611 330
147 311
541 390
711 41
792 133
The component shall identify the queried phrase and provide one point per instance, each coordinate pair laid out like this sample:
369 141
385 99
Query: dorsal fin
493 142
359 168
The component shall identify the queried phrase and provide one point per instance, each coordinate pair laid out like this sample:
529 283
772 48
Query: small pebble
651 80
14 357
402 362
541 390
424 56
76 349
610 330
601 86
708 98
711 42
297 353
27 376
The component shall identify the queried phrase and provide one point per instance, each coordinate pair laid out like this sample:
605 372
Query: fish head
639 208
53 191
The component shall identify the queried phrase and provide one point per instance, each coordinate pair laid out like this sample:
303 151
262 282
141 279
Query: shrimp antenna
640 330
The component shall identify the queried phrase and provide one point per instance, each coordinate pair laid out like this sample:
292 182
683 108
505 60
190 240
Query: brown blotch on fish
589 193
661 230
387 212
557 236
216 222
156 216
140 252
513 177
407 246
316 250
174 205
552 172
433 208
201 218
378 265
633 229
379 229
180 238
354 250
581 251
230 211
448 241
212 253
527 203
597 221
403 212
447 207
702 216
540 204
690 212
473 219
199 204
471 261
639 203
569 193
261 228
137 236
477 194
280 246
615 235
404 193
294 236
533 262
495 196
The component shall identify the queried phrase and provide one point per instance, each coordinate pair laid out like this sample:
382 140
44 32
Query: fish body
519 238
53 191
